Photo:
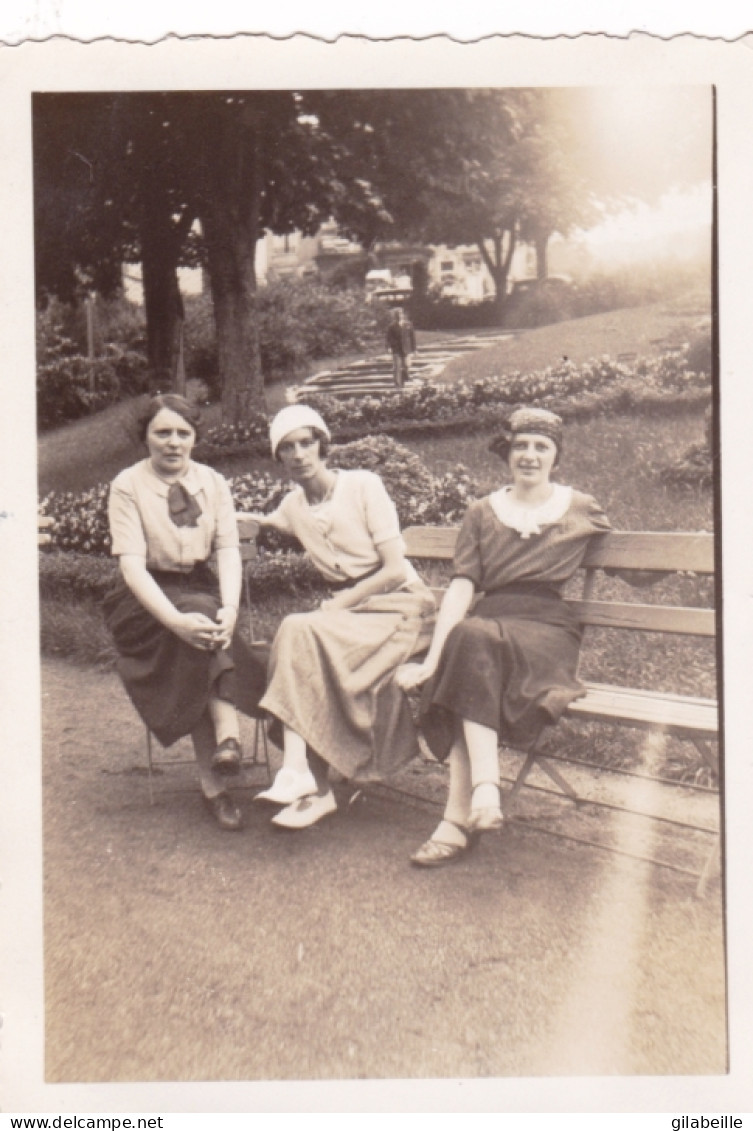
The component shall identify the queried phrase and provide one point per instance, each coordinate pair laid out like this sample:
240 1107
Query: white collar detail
529 520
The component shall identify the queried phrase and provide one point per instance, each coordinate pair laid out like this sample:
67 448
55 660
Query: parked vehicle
553 284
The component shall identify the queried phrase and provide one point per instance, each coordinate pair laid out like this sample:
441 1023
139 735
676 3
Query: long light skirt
331 681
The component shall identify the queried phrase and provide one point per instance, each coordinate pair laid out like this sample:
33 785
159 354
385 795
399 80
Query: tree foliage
125 176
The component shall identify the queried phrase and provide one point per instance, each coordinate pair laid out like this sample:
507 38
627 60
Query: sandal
485 818
436 853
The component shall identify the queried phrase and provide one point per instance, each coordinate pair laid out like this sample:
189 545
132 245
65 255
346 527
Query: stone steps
374 374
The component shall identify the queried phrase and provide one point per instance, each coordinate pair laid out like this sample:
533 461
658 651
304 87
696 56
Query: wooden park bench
687 717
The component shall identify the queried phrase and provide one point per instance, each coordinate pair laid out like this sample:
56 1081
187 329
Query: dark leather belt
349 582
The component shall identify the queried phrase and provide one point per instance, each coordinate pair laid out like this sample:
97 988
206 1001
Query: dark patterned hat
537 420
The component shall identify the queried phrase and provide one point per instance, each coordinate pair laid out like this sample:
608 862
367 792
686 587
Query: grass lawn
644 330
94 449
616 459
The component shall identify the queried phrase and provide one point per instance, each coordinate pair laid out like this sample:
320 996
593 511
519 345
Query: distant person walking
401 341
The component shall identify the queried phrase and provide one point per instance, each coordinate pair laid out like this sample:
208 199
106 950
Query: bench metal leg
556 777
520 779
710 759
533 757
712 863
260 729
150 765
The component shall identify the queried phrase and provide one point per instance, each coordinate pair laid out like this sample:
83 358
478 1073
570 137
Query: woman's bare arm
457 601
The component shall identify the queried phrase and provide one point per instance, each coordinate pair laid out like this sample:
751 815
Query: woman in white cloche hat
331 692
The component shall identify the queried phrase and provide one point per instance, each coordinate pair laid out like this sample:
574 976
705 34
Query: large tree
125 176
483 167
107 191
494 167
257 165
140 169
80 238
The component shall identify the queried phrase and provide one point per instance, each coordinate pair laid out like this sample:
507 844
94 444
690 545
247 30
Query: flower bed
570 389
80 518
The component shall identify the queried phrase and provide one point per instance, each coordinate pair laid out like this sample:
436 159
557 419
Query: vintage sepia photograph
379 548
417 340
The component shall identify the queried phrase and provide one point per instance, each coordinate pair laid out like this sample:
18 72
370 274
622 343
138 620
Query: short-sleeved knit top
140 522
493 554
341 534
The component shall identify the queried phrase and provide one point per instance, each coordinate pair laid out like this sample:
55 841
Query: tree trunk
229 213
162 300
541 244
233 284
498 265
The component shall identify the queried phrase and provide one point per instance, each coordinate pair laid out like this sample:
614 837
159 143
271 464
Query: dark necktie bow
183 508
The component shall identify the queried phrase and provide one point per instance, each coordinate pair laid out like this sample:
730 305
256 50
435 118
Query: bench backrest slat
248 532
43 521
646 618
622 549
628 549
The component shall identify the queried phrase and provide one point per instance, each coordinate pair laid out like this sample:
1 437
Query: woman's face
532 457
170 440
299 454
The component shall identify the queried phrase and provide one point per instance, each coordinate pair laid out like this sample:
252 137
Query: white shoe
306 812
288 786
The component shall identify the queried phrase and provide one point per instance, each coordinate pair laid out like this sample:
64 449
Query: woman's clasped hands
205 634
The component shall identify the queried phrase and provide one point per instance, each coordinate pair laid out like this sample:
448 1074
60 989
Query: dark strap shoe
225 812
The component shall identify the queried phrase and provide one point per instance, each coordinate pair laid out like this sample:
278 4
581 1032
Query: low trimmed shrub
305 320
71 577
300 321
694 469
434 313
541 306
71 386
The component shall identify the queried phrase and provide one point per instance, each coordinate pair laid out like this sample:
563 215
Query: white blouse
341 534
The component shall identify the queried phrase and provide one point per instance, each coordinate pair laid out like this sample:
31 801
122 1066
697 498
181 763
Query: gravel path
174 951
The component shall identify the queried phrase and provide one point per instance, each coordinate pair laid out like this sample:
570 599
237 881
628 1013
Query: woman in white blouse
331 690
172 622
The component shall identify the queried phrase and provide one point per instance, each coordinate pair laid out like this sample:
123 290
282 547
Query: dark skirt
169 681
511 666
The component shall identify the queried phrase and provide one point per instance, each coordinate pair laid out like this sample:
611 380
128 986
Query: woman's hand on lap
330 604
409 676
226 620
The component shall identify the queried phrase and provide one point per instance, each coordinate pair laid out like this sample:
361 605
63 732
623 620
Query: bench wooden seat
681 715
646 552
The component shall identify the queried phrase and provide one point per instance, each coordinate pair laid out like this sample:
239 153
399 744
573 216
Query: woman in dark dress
509 669
172 621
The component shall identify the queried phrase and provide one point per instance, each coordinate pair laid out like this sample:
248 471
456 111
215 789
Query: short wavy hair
191 413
